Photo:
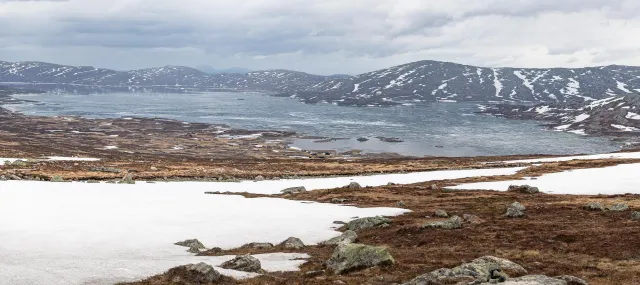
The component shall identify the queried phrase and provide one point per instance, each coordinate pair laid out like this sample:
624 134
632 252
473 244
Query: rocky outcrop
526 189
572 280
347 237
593 207
292 243
454 222
514 213
258 245
618 207
294 190
246 263
517 205
369 222
191 243
193 274
478 271
352 257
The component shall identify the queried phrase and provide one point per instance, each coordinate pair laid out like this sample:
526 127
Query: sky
320 36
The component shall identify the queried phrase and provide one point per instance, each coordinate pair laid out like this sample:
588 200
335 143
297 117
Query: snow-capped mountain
613 116
422 81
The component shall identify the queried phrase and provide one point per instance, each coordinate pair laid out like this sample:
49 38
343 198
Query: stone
534 280
472 219
514 213
442 214
292 243
338 200
128 179
352 257
454 222
191 243
618 207
434 187
193 250
259 178
57 178
246 263
354 186
346 238
526 189
200 273
362 139
391 184
484 269
153 168
312 274
258 245
401 204
572 280
294 190
368 222
518 206
593 207
635 216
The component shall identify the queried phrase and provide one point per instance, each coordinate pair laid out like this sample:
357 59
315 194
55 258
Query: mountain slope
422 81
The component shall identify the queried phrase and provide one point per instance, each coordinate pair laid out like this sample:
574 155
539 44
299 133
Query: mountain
618 115
422 81
211 70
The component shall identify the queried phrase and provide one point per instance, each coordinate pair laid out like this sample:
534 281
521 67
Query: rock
635 216
200 273
401 204
514 213
354 186
369 222
534 280
593 207
351 257
518 206
57 178
363 139
153 168
105 169
338 200
434 187
292 243
339 223
246 263
128 179
442 214
346 238
618 207
191 243
312 274
391 184
526 189
14 177
294 190
572 280
193 250
260 178
258 245
484 269
454 222
472 219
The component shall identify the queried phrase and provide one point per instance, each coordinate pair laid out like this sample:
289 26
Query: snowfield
78 233
620 155
620 179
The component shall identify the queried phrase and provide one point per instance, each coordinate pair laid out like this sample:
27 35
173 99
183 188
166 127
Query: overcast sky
320 36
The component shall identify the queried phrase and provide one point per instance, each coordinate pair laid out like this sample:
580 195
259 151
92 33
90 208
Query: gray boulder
514 213
354 186
635 216
294 190
368 222
534 280
292 243
352 257
593 207
478 271
259 178
454 222
346 238
246 263
618 207
200 273
572 280
472 219
518 206
442 214
128 179
526 189
191 243
258 245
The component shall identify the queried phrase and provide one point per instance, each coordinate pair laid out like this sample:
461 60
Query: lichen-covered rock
352 257
294 190
514 213
572 280
258 245
534 280
526 189
618 207
518 206
472 219
128 179
635 216
368 222
193 250
346 238
354 186
441 214
191 243
246 263
292 243
454 222
200 273
259 178
480 270
593 207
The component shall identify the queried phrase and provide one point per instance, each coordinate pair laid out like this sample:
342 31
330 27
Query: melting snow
620 179
581 118
632 116
622 86
496 82
625 128
621 155
525 81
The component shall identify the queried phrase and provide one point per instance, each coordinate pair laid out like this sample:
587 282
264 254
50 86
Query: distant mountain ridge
422 81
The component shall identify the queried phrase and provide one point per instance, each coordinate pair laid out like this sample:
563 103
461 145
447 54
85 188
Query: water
439 129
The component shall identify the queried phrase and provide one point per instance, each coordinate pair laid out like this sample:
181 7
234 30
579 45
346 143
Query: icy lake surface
440 129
